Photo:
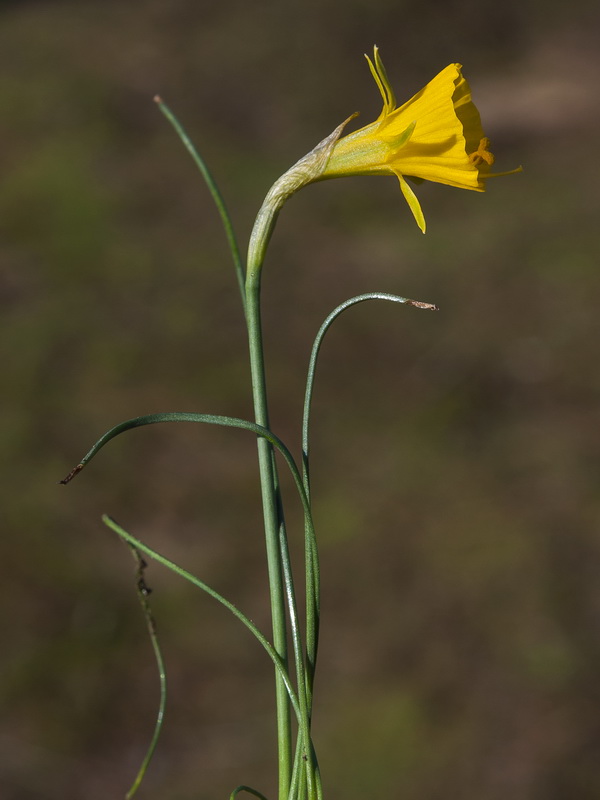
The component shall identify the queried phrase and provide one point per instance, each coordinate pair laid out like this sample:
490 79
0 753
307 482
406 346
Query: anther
482 153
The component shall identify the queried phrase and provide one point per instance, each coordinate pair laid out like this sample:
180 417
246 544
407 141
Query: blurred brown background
456 454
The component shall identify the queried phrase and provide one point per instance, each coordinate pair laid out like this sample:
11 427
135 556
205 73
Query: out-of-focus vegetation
456 454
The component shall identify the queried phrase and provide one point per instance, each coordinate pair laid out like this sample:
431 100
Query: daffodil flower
435 136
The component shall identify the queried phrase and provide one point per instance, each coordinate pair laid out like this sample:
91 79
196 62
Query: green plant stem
305 759
330 319
312 560
272 522
304 751
247 789
270 650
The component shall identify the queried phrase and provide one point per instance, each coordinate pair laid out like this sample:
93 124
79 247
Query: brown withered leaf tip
419 304
72 474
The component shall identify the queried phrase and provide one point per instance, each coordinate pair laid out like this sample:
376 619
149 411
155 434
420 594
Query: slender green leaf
144 548
214 191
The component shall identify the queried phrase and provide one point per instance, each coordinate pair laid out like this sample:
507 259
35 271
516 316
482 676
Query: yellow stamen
482 153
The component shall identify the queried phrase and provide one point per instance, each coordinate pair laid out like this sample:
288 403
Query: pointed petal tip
413 202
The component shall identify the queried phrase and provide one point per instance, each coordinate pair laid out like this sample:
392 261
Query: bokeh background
456 454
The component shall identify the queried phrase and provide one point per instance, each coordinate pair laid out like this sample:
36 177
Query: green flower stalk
308 169
437 136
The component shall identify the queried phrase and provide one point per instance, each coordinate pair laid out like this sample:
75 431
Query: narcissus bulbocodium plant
435 136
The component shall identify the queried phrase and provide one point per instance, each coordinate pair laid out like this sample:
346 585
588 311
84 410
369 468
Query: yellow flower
435 136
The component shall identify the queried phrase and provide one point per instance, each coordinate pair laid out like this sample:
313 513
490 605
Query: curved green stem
247 789
361 298
207 419
312 563
273 655
281 553
185 416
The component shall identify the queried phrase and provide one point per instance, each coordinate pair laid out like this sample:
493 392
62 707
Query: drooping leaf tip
68 478
419 304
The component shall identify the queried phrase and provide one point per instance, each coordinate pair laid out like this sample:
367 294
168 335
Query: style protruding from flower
435 136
